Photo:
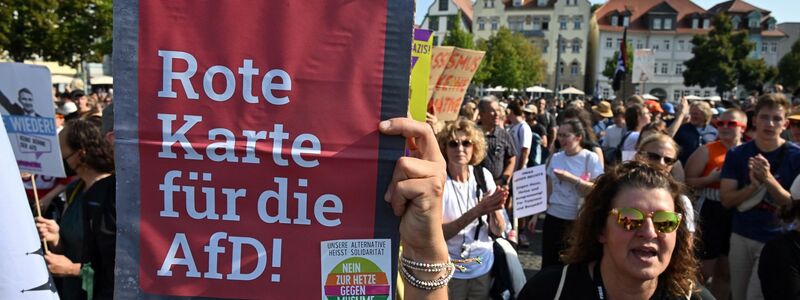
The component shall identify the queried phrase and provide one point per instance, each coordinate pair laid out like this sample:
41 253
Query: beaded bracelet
428 285
424 267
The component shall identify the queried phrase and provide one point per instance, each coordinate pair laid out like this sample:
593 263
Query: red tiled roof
735 6
638 9
466 8
773 33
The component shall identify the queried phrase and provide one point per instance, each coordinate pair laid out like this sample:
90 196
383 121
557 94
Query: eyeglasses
658 158
455 144
632 219
564 135
729 124
70 155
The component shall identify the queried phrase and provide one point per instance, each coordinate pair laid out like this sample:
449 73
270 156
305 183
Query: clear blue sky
782 10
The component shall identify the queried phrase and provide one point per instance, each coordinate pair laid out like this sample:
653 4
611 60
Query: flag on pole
24 273
622 62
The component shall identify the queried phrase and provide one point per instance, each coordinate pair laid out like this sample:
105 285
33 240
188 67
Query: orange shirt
716 157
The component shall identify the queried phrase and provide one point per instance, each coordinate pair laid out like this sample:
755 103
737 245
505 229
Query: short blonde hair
705 108
474 134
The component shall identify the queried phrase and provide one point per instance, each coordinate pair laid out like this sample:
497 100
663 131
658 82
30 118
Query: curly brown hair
473 133
680 277
81 134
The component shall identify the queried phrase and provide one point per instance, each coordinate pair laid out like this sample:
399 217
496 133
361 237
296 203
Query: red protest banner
257 140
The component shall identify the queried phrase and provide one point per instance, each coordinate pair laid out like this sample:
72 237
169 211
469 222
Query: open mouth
645 253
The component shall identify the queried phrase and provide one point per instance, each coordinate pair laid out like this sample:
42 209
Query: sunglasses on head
729 123
658 158
455 144
632 219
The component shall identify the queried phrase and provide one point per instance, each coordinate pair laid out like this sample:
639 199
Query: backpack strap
561 283
480 179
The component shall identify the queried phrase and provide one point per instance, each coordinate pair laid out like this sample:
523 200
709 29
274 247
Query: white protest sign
22 261
530 191
26 105
643 65
357 269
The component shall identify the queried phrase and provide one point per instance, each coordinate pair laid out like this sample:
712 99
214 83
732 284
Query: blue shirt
760 223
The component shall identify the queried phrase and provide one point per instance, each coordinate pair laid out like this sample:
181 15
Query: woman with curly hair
629 242
85 238
469 214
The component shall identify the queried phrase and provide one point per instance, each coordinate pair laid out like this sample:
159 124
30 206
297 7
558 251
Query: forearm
732 198
673 128
701 182
453 228
498 223
523 159
509 169
777 192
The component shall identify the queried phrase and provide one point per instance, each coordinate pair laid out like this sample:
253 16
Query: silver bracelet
428 285
424 267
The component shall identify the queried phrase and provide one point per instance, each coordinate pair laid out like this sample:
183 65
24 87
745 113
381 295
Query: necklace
465 248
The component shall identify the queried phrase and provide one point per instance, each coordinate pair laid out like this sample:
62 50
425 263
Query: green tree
511 60
719 58
611 63
84 32
789 67
754 73
457 36
25 26
483 74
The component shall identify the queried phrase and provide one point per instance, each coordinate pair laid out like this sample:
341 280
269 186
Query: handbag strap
561 283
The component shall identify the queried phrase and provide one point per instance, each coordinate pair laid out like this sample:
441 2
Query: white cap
67 108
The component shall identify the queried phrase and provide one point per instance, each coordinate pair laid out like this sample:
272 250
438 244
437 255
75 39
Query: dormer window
752 23
771 24
517 3
706 23
695 23
668 24
626 20
541 3
657 24
614 20
735 21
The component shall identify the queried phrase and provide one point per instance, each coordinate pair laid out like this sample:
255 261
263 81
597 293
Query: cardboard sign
23 257
530 191
251 139
452 79
26 104
421 50
643 66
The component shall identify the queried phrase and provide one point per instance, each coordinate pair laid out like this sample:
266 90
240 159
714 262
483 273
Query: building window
517 3
605 93
664 68
614 21
443 5
450 22
481 24
576 46
687 92
681 45
433 23
706 94
735 22
668 24
753 23
774 47
697 93
639 44
561 68
544 48
655 46
609 43
666 45
563 46
679 69
619 42
573 69
541 3
676 95
545 25
562 23
706 23
696 23
494 24
764 46
655 69
435 40
515 24
657 24
626 20
576 23
537 23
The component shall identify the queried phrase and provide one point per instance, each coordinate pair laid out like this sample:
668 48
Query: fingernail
384 125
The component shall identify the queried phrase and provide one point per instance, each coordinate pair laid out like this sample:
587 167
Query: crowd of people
646 200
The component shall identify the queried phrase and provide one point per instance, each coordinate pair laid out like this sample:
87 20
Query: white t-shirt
630 142
563 202
460 197
523 137
689 217
613 136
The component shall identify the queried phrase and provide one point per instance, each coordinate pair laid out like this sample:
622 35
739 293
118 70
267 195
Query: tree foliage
611 63
65 31
720 60
511 60
789 67
457 36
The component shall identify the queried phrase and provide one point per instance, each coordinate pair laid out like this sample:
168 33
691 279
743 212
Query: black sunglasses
658 158
454 144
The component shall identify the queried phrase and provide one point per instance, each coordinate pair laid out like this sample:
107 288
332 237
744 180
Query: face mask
67 169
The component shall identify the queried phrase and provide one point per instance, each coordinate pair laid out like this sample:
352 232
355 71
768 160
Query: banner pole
38 207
